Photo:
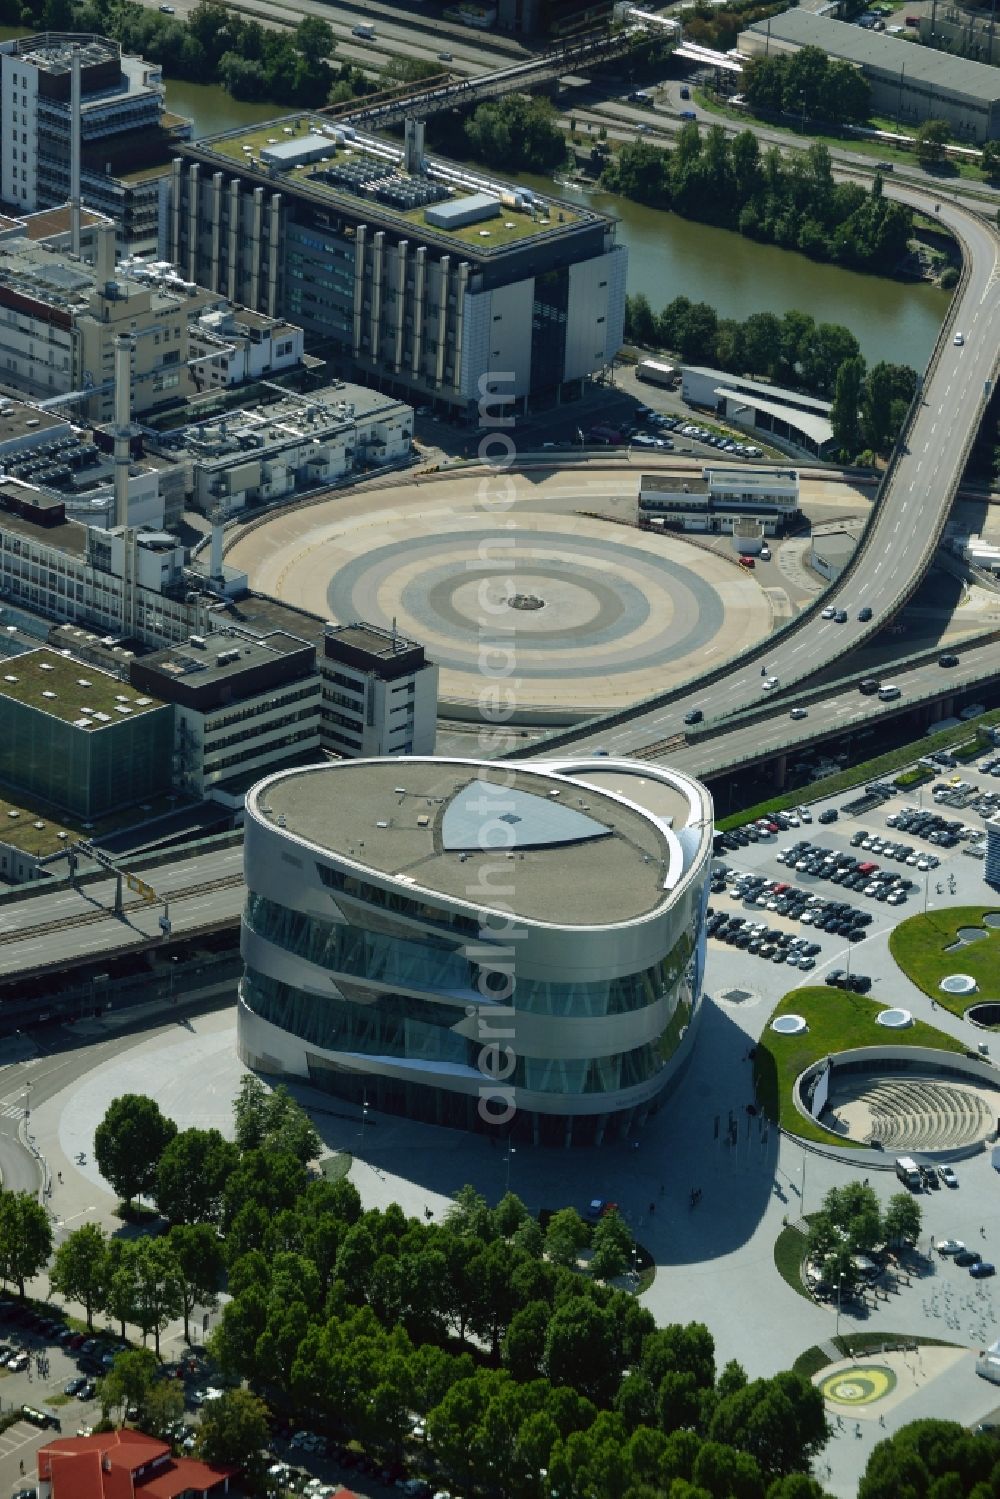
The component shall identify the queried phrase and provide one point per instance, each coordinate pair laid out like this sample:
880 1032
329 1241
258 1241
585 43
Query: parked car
948 1176
982 1270
967 1258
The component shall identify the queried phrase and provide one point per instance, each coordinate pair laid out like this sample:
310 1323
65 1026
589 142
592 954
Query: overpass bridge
445 91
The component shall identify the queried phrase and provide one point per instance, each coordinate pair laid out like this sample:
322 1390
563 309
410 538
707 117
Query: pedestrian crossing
11 1111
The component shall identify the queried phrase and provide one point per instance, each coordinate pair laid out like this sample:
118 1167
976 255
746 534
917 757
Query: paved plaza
715 1261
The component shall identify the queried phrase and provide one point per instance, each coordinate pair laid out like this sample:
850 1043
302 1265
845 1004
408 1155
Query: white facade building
379 693
242 707
234 344
721 499
285 446
377 951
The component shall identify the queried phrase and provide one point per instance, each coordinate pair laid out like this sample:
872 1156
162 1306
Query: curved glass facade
396 1025
355 950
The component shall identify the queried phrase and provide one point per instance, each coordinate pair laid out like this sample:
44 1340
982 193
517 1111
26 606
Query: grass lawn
814 1359
838 1021
789 1252
918 946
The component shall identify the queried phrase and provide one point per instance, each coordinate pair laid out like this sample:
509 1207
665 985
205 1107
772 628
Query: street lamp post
840 1282
510 1151
364 1117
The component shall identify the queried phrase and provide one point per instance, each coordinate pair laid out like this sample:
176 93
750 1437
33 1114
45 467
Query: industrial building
117 128
232 346
432 280
242 707
78 738
721 499
785 417
131 583
382 896
60 317
909 84
380 693
284 444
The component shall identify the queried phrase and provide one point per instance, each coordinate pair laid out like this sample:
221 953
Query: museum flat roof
576 855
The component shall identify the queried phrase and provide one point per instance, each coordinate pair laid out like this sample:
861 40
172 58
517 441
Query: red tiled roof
102 1467
184 1473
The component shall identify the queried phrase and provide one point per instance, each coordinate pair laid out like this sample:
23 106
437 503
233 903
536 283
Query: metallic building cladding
379 990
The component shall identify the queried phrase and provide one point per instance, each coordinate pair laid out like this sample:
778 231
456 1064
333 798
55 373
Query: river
670 256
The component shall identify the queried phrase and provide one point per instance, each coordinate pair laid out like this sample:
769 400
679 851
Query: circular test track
570 613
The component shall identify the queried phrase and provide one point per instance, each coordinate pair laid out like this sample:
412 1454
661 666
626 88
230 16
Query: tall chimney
104 254
123 406
217 532
75 111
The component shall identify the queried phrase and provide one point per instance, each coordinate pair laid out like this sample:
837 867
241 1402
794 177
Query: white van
363 29
888 692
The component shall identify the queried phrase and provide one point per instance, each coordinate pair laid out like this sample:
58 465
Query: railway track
88 918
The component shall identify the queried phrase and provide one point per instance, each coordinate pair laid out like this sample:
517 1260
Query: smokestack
75 111
123 406
217 529
104 254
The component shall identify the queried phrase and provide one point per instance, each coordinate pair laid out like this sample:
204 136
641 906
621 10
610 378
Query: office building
552 18
242 707
283 444
383 900
786 418
122 1465
721 499
425 277
379 693
124 127
78 738
908 84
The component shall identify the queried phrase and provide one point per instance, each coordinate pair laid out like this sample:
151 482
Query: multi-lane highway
73 923
904 530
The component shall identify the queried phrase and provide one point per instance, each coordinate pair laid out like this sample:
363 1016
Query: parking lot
818 888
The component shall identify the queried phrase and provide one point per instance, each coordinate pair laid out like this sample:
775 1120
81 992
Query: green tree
191 1176
903 1219
128 1144
162 1408
581 1351
640 321
930 139
80 1268
761 344
524 1342
516 132
157 1286
314 38
933 1458
25 1238
780 1422
844 413
990 161
612 1244
197 1252
127 1383
565 1235
234 1430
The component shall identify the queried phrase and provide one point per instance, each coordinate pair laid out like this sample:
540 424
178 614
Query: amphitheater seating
923 1113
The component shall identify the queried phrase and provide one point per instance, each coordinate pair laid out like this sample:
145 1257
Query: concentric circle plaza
583 614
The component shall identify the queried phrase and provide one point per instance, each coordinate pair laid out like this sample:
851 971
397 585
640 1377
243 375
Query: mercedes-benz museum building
482 944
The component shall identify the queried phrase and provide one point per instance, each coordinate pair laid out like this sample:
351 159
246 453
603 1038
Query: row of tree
808 84
791 350
794 202
869 408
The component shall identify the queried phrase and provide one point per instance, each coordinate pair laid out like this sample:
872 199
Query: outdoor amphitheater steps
924 1114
